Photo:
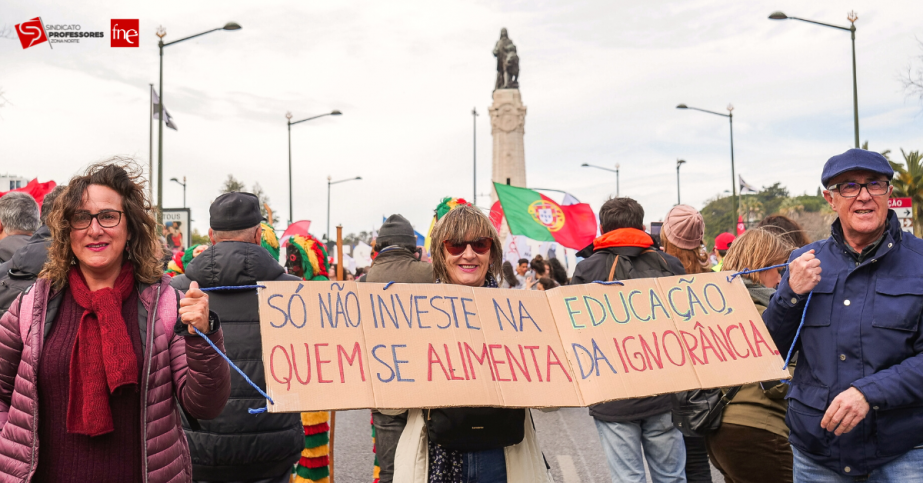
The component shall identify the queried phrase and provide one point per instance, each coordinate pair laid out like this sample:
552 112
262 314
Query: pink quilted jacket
184 367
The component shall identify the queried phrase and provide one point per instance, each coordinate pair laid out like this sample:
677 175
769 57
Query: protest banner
343 345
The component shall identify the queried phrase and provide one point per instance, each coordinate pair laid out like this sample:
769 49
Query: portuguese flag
538 217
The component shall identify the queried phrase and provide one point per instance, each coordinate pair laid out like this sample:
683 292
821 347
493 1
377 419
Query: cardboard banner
347 345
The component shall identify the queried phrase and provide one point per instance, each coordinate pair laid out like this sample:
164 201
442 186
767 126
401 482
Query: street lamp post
288 116
183 184
852 17
329 184
616 171
679 162
730 116
161 32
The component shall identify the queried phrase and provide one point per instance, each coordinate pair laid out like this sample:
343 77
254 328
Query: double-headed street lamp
329 184
679 162
288 115
730 116
162 33
616 171
852 17
183 184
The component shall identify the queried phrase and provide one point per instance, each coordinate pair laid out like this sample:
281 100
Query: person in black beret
852 305
264 448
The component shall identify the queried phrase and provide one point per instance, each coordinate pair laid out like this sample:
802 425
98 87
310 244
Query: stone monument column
507 122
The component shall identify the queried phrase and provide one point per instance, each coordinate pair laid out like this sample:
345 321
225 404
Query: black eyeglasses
106 218
851 189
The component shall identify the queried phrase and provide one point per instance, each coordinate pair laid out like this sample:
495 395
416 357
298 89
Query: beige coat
524 461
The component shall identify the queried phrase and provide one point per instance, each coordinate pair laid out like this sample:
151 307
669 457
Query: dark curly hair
123 176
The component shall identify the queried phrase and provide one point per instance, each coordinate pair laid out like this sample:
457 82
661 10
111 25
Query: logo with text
124 32
31 33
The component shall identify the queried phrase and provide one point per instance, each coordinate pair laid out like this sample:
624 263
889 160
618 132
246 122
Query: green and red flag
534 215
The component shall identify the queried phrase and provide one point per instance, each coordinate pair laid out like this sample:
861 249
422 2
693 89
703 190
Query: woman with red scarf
98 359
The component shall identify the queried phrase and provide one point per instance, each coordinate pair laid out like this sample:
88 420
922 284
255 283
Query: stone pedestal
507 122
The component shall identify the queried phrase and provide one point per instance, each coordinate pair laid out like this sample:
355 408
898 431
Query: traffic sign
903 207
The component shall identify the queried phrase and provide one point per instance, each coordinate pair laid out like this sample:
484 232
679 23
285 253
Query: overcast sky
601 80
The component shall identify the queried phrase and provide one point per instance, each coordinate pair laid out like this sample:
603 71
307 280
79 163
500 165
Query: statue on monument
507 63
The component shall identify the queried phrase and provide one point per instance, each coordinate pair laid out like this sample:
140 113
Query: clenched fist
193 309
804 273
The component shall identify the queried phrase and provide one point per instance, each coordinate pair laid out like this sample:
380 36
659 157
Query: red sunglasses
480 246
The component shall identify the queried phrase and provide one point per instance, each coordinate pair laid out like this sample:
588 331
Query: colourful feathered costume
314 465
446 205
269 240
180 261
306 257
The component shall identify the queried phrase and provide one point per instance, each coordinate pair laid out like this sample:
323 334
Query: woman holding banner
96 356
439 445
751 446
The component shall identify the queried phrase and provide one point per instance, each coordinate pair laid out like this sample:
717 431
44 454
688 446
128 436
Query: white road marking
568 470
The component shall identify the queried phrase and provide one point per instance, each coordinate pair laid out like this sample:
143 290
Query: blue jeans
485 466
662 445
906 469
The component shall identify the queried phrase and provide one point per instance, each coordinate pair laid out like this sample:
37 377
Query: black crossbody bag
475 429
697 413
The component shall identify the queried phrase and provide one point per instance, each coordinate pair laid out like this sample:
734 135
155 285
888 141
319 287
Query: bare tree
912 80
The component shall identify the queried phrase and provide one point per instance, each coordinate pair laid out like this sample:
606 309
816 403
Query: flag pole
150 152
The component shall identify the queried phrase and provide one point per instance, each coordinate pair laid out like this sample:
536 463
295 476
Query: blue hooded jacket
862 329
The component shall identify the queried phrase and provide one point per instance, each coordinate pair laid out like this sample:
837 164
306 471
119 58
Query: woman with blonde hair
751 445
98 359
466 251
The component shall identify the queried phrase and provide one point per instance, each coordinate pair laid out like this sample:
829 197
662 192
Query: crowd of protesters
105 366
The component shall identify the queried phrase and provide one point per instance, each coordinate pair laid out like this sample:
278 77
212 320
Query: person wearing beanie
682 233
852 304
236 446
625 251
722 245
396 261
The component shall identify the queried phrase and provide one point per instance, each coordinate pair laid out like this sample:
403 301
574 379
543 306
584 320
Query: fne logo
124 32
31 33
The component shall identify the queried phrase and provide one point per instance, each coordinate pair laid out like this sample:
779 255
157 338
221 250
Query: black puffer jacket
19 272
238 446
628 244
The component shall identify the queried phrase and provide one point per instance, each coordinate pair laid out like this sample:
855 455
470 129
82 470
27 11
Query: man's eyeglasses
480 246
106 218
851 189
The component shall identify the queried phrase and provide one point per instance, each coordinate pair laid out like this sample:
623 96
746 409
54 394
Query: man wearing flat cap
856 401
236 446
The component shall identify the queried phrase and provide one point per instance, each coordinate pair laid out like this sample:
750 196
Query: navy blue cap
855 159
235 211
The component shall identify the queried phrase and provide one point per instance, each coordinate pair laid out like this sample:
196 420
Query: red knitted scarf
102 359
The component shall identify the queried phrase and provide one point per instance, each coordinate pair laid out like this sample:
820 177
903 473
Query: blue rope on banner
746 271
223 356
251 411
613 282
387 285
232 287
791 349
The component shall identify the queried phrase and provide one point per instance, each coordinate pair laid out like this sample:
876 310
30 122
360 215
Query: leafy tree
908 182
772 197
198 238
232 185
